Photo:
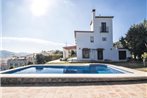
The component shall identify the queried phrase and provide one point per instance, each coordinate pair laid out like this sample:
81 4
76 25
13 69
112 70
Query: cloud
31 40
30 45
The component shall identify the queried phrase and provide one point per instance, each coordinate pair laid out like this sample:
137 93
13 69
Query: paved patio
81 90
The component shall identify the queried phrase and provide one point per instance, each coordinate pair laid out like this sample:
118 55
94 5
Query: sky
36 25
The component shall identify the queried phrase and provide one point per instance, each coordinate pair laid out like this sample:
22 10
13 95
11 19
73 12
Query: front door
100 54
122 55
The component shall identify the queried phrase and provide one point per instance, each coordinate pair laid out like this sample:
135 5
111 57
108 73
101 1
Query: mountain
7 54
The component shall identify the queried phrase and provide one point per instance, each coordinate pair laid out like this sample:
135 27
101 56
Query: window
104 39
103 27
85 53
91 39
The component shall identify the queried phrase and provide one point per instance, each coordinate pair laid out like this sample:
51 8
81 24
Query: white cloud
28 44
32 40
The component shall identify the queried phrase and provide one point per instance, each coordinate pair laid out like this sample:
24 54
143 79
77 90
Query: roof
70 47
82 32
104 16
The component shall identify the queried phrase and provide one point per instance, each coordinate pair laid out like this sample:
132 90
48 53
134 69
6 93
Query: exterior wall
111 55
3 64
83 40
67 53
98 34
91 26
128 54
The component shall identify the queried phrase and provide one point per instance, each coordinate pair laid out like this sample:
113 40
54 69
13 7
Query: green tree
40 59
136 39
56 56
58 52
123 42
72 53
29 63
118 44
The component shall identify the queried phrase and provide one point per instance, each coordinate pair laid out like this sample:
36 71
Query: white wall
128 54
98 35
65 53
83 39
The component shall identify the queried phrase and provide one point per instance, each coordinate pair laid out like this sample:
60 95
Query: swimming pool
73 73
51 69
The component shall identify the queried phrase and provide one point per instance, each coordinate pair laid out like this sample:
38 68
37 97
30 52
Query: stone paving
97 90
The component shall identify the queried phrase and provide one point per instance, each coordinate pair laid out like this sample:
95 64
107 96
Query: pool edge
34 79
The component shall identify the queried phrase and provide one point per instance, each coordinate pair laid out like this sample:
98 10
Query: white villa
97 43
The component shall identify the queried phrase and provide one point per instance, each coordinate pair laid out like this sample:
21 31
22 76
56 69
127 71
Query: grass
142 69
61 62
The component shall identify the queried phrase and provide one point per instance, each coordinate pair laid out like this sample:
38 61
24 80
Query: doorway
100 54
122 55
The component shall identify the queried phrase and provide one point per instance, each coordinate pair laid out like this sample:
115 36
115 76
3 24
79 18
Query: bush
29 63
41 59
11 67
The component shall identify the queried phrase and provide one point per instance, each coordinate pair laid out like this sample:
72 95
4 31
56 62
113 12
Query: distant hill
7 54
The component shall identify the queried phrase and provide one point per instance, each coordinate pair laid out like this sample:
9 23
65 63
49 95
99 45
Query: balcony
104 29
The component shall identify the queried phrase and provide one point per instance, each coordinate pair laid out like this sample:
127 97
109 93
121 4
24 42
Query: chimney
93 10
93 19
93 13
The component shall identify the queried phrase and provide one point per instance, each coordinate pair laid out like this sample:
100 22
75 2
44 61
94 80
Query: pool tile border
21 79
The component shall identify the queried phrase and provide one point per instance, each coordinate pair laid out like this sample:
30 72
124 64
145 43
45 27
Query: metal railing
106 30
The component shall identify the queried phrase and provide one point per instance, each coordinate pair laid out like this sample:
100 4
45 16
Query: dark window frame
86 53
104 27
92 39
100 54
104 38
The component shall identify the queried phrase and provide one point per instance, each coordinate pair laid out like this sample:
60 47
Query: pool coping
48 78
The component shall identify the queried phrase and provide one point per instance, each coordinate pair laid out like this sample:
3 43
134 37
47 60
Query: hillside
7 54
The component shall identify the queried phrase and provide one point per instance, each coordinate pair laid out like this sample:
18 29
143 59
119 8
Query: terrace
129 89
116 87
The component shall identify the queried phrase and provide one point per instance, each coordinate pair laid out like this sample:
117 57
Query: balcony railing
104 30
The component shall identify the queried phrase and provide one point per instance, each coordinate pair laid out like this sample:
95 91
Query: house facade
97 43
16 62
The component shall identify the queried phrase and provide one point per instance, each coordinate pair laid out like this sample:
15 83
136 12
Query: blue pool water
91 69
